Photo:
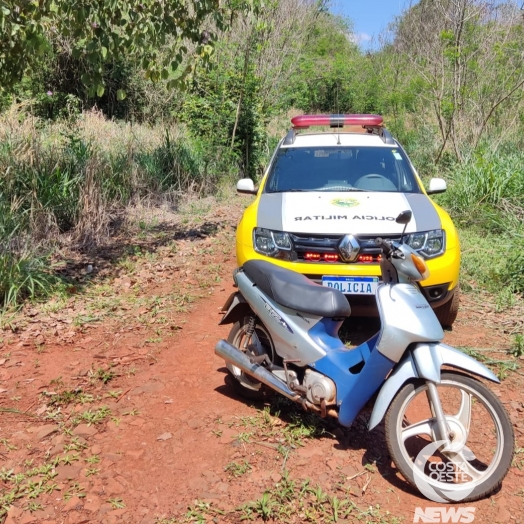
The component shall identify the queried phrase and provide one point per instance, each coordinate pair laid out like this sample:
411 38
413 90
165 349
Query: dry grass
107 136
74 183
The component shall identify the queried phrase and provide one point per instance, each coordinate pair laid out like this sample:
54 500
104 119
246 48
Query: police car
327 194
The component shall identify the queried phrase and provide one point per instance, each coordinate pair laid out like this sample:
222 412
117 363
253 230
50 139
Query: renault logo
349 248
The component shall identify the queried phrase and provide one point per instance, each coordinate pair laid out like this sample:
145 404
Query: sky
369 17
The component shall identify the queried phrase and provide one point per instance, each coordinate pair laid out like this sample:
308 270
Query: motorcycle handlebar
384 244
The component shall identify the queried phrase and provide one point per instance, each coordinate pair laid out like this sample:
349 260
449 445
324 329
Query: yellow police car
325 197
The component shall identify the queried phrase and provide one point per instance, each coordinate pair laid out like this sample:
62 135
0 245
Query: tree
230 104
103 30
469 58
324 79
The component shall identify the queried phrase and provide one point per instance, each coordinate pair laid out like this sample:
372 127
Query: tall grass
487 190
67 181
486 200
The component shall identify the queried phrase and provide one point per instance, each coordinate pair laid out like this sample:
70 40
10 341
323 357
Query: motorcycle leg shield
365 385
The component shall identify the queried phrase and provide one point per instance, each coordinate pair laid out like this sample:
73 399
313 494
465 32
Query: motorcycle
285 339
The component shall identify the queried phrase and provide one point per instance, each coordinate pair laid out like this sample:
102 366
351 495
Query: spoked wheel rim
258 344
462 454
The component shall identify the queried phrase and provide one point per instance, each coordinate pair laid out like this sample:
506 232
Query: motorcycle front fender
235 308
424 361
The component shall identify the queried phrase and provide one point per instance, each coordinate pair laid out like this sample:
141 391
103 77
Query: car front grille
328 244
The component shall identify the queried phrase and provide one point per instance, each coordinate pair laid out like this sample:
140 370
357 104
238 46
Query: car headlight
276 244
429 244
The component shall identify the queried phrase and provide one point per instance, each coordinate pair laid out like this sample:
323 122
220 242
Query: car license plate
352 285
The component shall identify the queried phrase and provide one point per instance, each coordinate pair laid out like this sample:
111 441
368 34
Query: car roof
334 139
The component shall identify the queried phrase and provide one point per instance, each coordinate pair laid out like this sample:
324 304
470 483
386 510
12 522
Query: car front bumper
439 288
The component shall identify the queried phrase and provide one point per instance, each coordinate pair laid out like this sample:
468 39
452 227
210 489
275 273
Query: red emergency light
369 258
327 257
305 121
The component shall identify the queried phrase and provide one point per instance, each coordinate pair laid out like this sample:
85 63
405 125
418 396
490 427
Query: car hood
357 213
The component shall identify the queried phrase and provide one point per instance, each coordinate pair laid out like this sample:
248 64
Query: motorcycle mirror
404 217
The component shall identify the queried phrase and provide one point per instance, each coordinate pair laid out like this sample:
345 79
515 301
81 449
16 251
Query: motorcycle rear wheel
259 343
482 440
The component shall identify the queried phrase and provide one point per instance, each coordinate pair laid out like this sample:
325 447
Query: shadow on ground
354 331
104 257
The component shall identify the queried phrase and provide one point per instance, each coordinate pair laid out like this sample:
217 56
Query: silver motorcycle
447 433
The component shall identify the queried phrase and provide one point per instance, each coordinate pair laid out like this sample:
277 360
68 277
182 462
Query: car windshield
341 169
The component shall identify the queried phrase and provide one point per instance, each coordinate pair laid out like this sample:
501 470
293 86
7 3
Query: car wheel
447 313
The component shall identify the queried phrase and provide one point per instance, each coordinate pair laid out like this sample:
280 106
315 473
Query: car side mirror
246 186
437 185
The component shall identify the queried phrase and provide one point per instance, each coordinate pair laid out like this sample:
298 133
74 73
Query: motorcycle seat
295 291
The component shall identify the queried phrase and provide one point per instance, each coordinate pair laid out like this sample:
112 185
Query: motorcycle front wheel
257 344
478 455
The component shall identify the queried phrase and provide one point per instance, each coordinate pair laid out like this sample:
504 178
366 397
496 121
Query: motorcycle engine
319 387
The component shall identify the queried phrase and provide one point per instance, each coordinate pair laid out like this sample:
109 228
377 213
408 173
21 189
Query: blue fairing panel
355 389
325 335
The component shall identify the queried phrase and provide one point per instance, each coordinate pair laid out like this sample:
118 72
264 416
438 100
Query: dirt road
114 409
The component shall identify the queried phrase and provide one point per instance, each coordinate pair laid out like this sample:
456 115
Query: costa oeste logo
345 202
443 481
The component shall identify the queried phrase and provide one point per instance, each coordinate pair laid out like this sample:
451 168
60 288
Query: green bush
224 113
54 88
184 165
24 275
47 181
513 272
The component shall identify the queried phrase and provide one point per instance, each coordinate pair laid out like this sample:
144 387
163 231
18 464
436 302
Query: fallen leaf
164 436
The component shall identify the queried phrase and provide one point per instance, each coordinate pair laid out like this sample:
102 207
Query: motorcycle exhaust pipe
239 359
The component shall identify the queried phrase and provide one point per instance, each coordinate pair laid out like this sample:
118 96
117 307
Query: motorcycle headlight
429 244
275 244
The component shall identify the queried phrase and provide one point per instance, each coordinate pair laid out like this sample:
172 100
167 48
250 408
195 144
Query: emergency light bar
305 121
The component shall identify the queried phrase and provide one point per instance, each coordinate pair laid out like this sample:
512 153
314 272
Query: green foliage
99 32
492 262
23 275
45 186
48 186
487 190
181 165
513 273
325 81
237 469
224 109
22 38
518 345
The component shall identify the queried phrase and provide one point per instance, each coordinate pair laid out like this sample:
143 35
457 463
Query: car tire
447 313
